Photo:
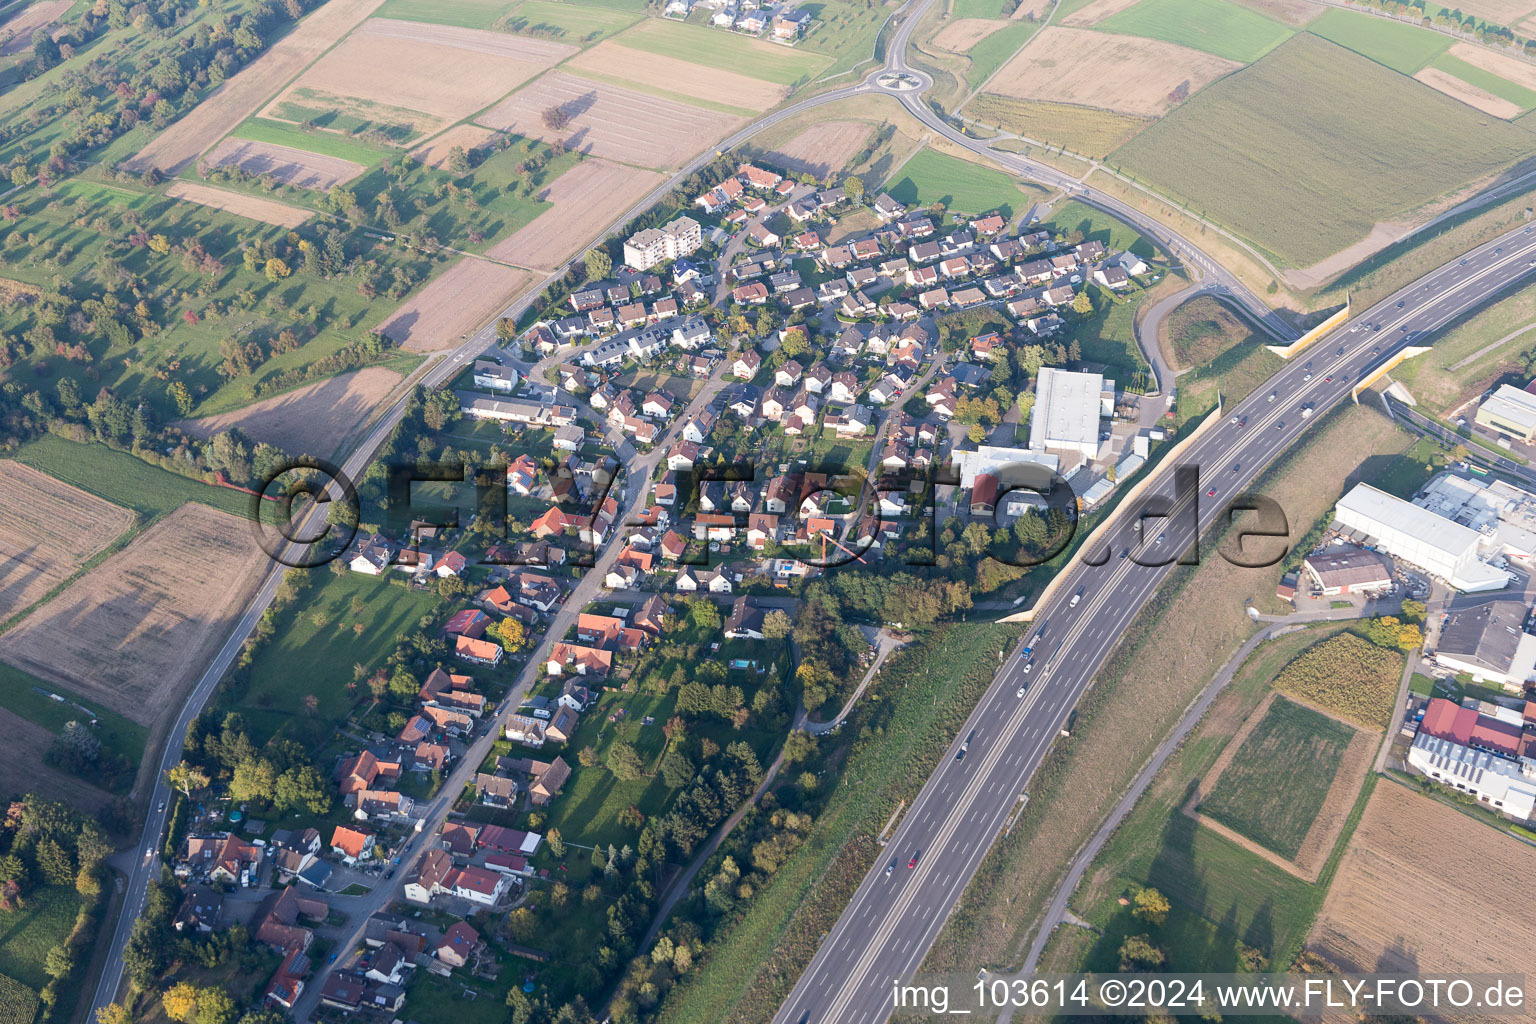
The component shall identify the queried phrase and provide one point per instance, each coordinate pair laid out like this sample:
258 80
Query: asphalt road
892 920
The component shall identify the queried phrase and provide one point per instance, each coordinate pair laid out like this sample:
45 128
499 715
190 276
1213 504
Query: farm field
1374 917
17 31
1086 130
241 96
406 79
1235 155
47 531
996 49
160 606
1296 13
23 770
1400 47
1215 26
611 122
122 479
1091 13
460 13
725 51
568 22
687 78
932 177
822 150
267 211
1444 80
583 201
32 931
314 140
1122 73
30 698
961 34
1472 64
298 167
1348 676
458 301
1274 786
309 420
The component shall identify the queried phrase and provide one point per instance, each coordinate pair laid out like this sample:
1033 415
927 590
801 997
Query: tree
555 843
113 1013
58 962
976 434
509 633
185 777
519 1009
1081 303
555 118
254 779
1150 905
799 746
776 625
215 1006
276 269
676 769
599 264
180 397
854 186
1413 611
1138 954
625 762
180 1002
1459 453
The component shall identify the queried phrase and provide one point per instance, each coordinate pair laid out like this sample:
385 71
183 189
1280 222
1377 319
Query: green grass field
315 656
1215 26
977 9
567 22
963 187
1087 130
993 52
1074 216
278 133
846 32
724 50
1307 177
1400 47
463 13
1503 88
1274 787
1202 329
26 935
123 479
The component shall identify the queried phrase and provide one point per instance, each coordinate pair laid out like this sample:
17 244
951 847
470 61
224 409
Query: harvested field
1406 846
22 769
134 633
607 121
239 98
960 35
17 33
1522 73
1096 12
1097 69
288 165
679 76
445 73
48 530
1086 130
268 211
586 198
822 149
1500 12
435 153
311 419
1035 9
466 294
1467 93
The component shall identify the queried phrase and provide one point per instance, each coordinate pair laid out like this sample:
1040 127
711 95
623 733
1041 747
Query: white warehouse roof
1513 405
1067 410
1404 517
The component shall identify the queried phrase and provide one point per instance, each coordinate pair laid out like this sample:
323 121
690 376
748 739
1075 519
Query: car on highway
1307 377
1375 327
161 808
1274 395
1079 595
1243 422
913 862
1400 303
1211 493
1376 351
1027 666
1280 425
1125 552
1339 351
960 754
1236 466
1021 691
1328 379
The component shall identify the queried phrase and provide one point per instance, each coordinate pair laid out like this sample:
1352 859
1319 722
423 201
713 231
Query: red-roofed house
1447 720
481 652
351 845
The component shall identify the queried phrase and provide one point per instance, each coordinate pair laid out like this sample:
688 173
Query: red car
1328 379
913 862
1211 493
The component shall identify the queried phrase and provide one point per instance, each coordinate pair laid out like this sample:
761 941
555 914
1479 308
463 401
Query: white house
494 376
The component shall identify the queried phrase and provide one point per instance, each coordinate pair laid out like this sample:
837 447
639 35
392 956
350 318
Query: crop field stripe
1501 87
993 52
1401 47
1214 26
458 13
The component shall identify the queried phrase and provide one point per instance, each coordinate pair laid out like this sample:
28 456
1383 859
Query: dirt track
679 76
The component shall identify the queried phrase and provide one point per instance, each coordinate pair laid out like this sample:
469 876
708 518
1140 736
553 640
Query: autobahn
893 919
